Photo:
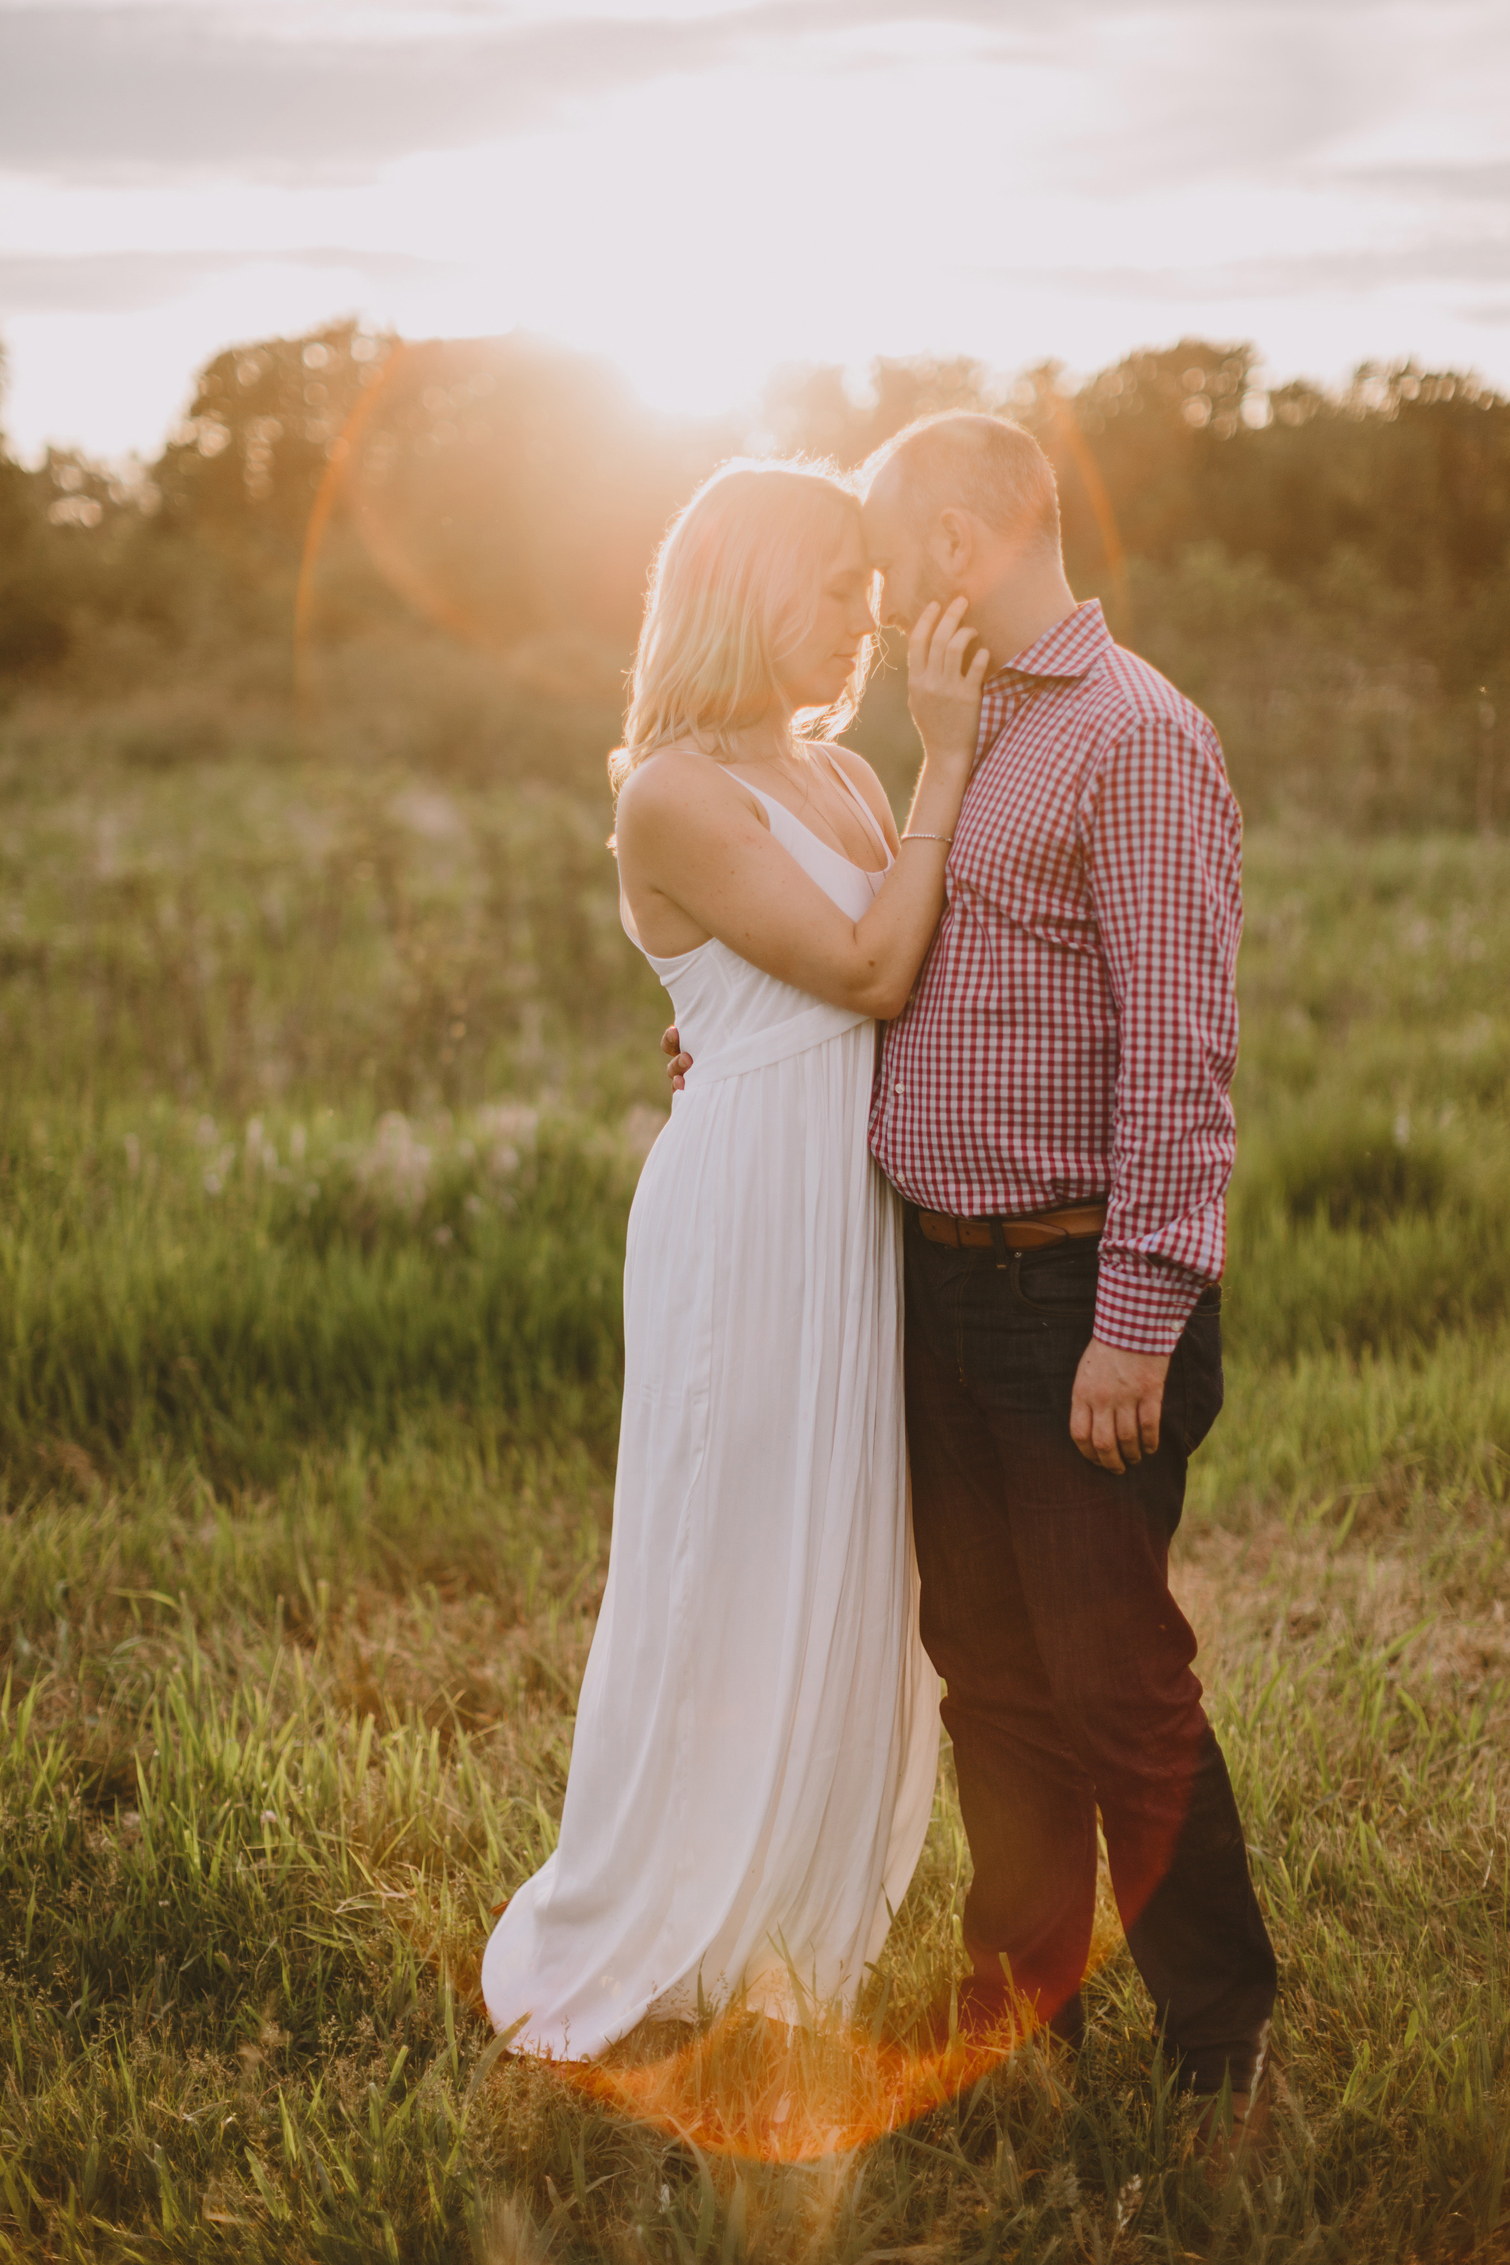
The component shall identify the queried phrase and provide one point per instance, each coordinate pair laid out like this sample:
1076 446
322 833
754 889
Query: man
1053 1107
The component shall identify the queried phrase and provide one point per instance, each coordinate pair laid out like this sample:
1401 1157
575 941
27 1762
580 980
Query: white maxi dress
756 1741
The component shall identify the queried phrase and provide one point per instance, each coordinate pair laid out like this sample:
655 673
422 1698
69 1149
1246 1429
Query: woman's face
815 673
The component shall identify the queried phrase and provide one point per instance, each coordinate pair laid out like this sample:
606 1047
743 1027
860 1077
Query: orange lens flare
755 2089
331 481
1067 431
750 2088
393 553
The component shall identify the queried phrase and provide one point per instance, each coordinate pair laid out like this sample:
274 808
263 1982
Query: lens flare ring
758 2090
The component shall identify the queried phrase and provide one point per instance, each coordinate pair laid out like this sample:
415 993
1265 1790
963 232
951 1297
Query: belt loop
998 1244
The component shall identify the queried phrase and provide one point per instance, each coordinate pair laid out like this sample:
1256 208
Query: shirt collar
1070 649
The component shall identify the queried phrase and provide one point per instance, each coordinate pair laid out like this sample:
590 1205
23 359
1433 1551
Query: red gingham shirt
1073 1032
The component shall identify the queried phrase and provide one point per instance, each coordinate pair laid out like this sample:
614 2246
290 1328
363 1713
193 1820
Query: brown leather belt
1041 1232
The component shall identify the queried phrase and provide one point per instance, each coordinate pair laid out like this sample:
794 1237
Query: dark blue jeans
1047 1611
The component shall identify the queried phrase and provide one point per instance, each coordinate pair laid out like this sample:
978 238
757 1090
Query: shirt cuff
1143 1303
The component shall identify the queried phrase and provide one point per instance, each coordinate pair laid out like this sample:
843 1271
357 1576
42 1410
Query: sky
702 190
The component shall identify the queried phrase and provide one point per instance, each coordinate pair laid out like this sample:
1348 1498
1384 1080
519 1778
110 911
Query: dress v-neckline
871 872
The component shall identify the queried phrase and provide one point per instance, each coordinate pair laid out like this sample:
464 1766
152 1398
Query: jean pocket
1059 1284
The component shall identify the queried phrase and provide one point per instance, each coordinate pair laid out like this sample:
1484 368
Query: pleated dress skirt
756 1742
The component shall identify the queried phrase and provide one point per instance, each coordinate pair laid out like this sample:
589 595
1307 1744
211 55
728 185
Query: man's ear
955 543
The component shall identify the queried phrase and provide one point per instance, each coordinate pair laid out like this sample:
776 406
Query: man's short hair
967 461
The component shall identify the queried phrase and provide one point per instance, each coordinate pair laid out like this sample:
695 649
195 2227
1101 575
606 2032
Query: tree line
1279 549
507 486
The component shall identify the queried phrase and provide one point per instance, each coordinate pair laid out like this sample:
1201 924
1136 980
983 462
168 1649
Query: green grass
309 1349
170 1291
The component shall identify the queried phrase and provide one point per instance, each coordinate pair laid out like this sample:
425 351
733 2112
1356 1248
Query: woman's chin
825 695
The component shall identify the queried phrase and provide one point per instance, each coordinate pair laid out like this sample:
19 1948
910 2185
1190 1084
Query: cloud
99 91
1448 184
105 91
1461 260
1245 91
115 283
1473 259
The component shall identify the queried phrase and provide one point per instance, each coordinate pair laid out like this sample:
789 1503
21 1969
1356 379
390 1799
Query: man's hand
1114 1413
678 1063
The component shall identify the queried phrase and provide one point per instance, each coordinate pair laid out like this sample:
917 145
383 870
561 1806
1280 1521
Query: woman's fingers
944 634
948 638
945 679
938 632
917 643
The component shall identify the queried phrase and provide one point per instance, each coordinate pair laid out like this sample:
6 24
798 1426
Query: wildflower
397 1165
261 1155
1062 2191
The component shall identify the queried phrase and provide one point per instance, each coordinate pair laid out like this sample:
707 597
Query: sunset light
701 192
755 1131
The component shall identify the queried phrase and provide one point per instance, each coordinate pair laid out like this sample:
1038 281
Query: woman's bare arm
687 835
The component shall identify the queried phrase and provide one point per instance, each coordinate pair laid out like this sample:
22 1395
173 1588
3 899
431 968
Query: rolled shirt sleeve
1162 837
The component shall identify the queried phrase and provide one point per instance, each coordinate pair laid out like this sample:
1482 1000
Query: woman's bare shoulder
680 785
669 775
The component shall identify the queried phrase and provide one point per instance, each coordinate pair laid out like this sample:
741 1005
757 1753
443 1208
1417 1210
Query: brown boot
1232 2131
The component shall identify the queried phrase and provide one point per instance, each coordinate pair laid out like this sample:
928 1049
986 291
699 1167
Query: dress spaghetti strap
858 799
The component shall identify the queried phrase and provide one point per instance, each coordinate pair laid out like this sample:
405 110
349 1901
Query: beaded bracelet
928 838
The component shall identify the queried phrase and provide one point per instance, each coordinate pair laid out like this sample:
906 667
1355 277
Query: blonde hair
735 589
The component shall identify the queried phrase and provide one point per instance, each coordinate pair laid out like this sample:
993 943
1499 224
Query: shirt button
898 1089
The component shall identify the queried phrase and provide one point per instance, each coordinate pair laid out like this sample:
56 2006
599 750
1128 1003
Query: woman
755 1749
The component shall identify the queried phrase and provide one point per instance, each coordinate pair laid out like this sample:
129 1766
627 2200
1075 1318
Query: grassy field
325 1088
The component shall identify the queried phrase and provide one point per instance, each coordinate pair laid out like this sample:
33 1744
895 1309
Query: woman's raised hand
943 692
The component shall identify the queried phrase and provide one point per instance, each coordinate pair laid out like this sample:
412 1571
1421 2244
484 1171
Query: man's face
910 579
